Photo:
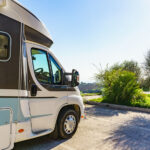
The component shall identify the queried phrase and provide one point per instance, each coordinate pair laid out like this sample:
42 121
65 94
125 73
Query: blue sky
87 32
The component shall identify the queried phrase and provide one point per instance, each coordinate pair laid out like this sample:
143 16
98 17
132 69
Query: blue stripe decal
14 104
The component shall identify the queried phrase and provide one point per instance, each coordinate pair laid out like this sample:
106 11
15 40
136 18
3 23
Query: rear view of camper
37 95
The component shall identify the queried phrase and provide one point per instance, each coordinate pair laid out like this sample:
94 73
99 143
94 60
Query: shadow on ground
133 135
41 143
103 111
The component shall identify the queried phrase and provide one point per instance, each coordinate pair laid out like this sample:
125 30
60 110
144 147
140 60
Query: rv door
45 99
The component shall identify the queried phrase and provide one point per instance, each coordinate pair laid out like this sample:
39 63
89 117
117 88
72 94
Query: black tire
61 123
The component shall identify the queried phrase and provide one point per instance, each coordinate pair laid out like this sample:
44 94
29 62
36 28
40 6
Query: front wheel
67 123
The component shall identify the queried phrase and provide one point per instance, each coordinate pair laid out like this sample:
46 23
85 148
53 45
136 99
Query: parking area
103 129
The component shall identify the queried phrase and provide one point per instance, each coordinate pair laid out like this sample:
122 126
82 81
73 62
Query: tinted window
4 46
41 66
56 71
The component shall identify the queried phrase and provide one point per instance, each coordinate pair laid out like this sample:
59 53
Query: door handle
33 90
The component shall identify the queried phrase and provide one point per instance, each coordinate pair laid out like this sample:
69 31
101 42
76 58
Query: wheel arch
74 107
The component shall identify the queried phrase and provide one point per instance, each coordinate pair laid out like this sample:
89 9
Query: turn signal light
82 117
21 130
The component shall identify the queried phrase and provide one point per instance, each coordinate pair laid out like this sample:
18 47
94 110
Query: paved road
92 97
148 92
103 129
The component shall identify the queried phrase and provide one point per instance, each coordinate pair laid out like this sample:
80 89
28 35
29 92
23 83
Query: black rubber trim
58 87
42 97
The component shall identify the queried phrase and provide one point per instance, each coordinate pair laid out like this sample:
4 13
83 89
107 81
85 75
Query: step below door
5 128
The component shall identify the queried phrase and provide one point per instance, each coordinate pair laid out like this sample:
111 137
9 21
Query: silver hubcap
70 124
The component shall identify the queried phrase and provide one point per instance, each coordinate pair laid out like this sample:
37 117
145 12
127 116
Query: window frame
41 83
10 46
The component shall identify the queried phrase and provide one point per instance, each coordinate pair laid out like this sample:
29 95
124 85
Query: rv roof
16 1
16 11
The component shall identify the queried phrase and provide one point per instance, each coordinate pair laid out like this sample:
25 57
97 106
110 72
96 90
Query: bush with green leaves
120 86
131 66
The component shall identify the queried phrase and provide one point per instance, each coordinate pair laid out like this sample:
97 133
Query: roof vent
2 3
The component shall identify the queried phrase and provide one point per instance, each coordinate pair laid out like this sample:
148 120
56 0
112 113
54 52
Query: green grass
145 104
98 100
89 94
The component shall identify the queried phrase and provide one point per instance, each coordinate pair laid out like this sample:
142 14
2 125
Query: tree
131 66
145 82
147 62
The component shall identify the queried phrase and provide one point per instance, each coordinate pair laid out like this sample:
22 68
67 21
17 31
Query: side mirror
73 81
75 78
33 90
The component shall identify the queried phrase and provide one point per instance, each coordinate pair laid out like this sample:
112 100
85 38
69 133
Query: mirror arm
66 73
75 76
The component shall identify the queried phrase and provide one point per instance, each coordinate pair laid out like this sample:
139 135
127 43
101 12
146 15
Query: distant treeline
89 87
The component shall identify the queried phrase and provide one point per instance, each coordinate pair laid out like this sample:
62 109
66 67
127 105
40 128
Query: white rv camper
37 96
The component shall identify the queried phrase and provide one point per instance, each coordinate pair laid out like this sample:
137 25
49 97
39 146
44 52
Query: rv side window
4 46
56 71
41 66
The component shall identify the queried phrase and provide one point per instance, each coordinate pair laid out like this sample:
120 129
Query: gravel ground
103 129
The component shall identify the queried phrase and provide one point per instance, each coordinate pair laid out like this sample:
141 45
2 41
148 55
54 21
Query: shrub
120 86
